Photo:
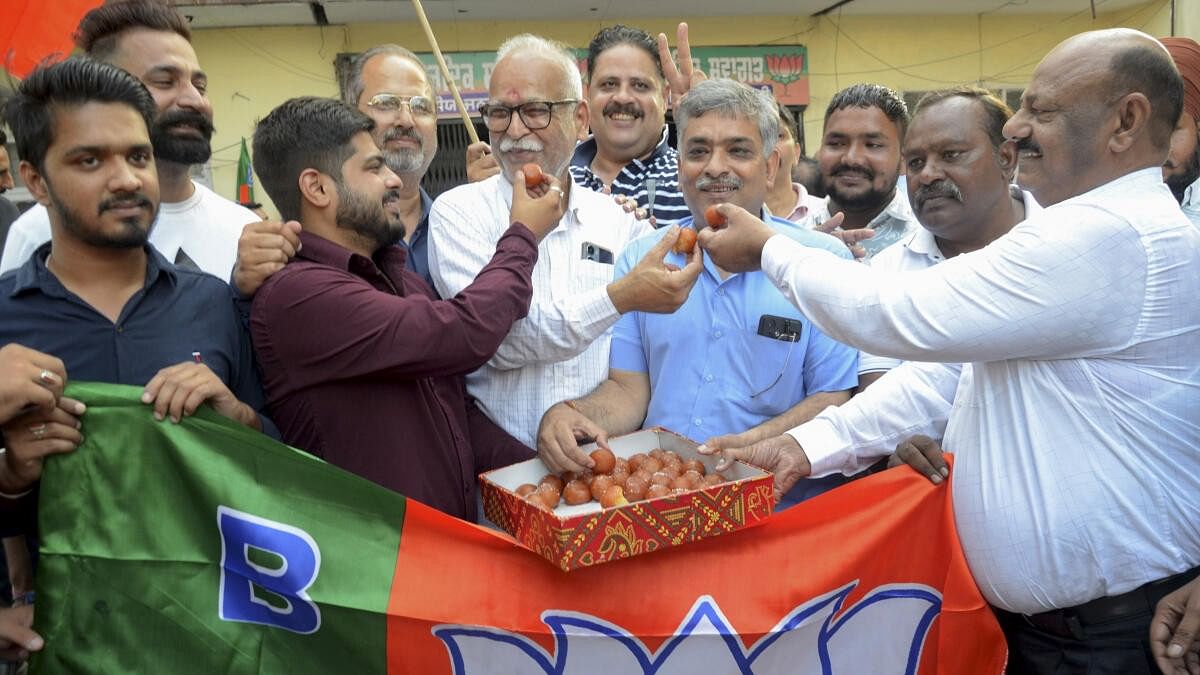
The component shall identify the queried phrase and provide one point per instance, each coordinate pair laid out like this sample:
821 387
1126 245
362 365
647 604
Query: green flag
245 177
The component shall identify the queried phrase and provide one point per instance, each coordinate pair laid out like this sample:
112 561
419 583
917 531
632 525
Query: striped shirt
653 182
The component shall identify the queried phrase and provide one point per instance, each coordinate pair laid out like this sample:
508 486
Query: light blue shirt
711 373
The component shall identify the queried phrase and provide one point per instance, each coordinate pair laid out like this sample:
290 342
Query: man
711 368
560 350
1074 417
378 390
8 210
959 168
628 153
860 164
786 199
196 228
1182 168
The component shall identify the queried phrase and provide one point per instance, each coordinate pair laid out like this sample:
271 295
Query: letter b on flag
266 567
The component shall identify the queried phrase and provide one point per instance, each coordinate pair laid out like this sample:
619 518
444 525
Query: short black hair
872 96
70 83
308 132
787 120
616 35
996 112
100 29
1149 69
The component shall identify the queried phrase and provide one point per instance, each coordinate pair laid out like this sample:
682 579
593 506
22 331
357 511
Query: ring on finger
38 431
555 188
46 376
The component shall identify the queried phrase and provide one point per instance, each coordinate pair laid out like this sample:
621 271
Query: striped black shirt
653 182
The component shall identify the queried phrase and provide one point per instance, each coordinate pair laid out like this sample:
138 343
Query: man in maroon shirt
362 364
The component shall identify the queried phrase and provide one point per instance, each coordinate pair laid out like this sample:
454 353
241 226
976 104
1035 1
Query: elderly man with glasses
535 114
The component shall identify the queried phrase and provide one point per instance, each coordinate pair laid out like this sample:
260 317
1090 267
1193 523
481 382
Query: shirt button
708 378
717 334
720 291
120 329
698 421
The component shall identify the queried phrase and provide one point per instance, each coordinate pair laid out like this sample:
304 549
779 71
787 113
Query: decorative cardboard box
572 537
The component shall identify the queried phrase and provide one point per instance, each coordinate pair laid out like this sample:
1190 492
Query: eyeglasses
418 106
534 114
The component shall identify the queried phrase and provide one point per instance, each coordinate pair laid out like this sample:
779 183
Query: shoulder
809 237
218 209
34 223
467 194
197 283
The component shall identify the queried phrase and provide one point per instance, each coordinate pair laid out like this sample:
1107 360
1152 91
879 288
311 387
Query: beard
368 218
134 232
185 149
405 160
872 198
1182 177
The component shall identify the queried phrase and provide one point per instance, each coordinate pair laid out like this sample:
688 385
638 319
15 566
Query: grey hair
550 49
730 98
352 81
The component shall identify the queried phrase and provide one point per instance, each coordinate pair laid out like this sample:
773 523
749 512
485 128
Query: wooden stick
437 54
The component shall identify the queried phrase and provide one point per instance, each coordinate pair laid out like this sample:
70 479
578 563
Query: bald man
1182 168
1076 414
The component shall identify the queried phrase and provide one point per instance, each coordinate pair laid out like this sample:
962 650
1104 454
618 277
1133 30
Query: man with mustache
1073 414
1181 171
196 228
860 165
748 363
559 351
378 389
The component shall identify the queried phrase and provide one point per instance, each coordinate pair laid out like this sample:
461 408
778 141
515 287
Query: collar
922 242
34 275
575 201
318 249
585 152
1191 195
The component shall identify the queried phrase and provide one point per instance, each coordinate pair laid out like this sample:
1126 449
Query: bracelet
571 404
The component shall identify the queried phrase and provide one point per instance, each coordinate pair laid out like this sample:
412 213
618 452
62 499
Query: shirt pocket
766 375
590 275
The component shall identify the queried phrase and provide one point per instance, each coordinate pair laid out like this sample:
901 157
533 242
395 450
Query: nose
855 154
718 164
6 181
403 117
1017 126
516 126
124 179
393 181
191 97
930 172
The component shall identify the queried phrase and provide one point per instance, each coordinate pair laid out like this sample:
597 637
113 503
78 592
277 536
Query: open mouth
622 117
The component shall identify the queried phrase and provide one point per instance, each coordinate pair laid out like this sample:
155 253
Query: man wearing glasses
560 350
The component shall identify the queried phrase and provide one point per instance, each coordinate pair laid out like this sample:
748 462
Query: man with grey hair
737 358
535 114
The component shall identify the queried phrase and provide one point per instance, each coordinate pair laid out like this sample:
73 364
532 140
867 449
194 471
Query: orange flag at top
32 30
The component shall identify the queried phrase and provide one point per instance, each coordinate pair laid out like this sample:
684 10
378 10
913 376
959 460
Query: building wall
253 69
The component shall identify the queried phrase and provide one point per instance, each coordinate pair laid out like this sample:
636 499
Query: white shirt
560 349
916 252
891 225
202 229
1076 417
1191 202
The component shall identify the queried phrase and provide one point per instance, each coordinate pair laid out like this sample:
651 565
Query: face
407 137
367 189
6 179
956 177
167 65
860 157
625 99
789 155
1182 167
721 160
99 181
521 78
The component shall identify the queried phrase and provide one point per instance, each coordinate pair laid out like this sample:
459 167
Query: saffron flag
34 30
245 177
206 548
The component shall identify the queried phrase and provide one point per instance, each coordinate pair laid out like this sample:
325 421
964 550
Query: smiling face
625 97
522 77
860 157
721 160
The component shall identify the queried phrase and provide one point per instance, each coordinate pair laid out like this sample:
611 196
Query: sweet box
572 537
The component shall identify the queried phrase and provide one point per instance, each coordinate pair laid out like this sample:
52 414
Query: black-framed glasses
418 106
535 115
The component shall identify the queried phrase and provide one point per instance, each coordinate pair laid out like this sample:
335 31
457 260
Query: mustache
730 181
626 108
391 196
847 170
186 117
125 200
942 188
398 134
526 143
1029 144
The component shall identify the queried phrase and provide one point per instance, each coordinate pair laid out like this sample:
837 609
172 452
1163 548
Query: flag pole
437 54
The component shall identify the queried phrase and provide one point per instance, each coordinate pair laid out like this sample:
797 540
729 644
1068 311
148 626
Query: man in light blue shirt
736 358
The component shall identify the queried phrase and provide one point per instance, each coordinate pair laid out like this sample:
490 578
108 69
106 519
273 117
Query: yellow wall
253 69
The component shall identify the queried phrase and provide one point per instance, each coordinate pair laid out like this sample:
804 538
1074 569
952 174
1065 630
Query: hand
781 455
558 438
682 77
654 285
538 208
737 245
33 436
263 249
179 390
1173 631
17 639
481 163
28 379
630 206
924 455
850 238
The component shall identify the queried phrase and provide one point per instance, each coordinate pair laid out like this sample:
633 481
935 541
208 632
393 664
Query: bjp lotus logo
785 68
883 633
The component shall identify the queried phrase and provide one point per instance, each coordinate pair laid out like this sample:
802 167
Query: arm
792 417
493 446
617 406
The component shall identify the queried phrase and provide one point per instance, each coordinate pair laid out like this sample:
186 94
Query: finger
195 398
933 454
195 383
670 72
1185 634
685 50
659 251
51 371
731 455
568 456
163 395
913 457
858 252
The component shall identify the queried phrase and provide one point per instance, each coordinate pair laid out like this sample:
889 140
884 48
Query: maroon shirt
363 365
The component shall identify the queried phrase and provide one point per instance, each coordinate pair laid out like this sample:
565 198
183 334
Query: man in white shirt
196 228
1076 413
959 169
535 114
859 159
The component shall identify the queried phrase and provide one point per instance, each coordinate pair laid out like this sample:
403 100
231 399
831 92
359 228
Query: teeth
623 117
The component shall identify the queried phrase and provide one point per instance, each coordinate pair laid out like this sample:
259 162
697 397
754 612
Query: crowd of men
1025 302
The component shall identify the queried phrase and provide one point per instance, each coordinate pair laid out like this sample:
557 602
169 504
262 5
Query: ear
773 160
35 183
1132 120
1006 157
316 189
582 121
